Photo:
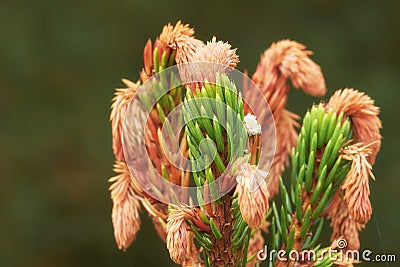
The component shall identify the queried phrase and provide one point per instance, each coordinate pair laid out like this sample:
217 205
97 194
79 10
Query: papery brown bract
253 196
177 235
126 207
121 100
356 185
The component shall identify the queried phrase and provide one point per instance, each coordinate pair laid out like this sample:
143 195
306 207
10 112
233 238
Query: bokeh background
61 60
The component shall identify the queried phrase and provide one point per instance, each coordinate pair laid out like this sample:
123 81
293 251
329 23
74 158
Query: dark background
61 60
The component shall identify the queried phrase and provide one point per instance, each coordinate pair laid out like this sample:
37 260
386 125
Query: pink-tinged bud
177 235
252 195
148 58
126 206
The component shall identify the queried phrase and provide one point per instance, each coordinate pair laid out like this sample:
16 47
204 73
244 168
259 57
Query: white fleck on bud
252 125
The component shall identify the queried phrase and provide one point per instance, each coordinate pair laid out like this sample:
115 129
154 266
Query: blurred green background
61 60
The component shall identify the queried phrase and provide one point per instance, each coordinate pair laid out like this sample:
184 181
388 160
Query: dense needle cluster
331 153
